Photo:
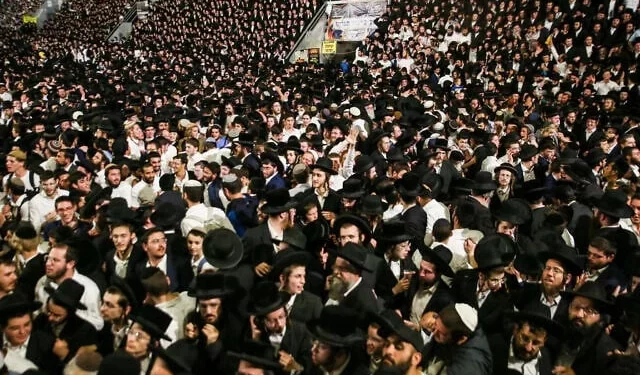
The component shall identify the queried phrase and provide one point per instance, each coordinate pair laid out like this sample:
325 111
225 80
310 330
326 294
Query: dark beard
402 367
576 335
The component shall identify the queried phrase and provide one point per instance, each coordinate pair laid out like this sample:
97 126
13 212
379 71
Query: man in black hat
409 188
60 320
336 335
19 335
561 269
601 267
484 287
271 171
482 191
350 291
118 302
32 263
242 148
586 347
144 335
277 207
272 325
527 170
525 348
403 346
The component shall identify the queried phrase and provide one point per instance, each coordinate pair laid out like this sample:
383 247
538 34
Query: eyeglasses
587 311
158 240
554 270
138 335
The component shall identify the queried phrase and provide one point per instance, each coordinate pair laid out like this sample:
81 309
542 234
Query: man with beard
149 179
561 268
289 338
459 346
350 291
114 181
402 347
374 346
586 347
212 180
600 266
524 349
242 149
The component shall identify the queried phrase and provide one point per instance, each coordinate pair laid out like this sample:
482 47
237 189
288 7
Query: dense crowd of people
458 196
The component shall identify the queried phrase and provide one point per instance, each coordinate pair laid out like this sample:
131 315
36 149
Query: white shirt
136 147
135 191
25 179
123 191
420 301
189 222
20 350
40 205
435 210
162 266
525 368
553 306
90 298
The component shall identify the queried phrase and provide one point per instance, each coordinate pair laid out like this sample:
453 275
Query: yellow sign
329 47
29 19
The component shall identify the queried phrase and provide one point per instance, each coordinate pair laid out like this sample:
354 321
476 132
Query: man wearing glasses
154 244
586 347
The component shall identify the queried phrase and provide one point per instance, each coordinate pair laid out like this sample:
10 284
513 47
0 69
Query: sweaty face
527 343
276 321
210 309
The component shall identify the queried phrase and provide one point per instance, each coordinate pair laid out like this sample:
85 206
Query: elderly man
347 287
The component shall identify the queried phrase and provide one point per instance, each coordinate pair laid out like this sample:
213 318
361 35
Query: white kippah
468 315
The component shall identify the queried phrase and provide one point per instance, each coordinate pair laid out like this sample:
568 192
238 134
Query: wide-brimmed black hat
286 258
484 182
89 258
222 248
440 143
165 215
614 203
270 157
363 164
325 164
392 324
568 256
173 359
16 303
122 285
440 256
153 321
213 285
359 222
568 155
593 291
506 167
259 354
293 143
351 189
515 211
375 136
372 205
68 295
537 319
354 254
494 250
527 152
337 326
393 232
278 201
410 185
230 162
266 298
580 172
244 139
295 238
629 302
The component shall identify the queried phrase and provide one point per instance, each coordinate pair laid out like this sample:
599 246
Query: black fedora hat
270 157
293 144
126 290
515 211
410 185
532 191
325 164
295 238
173 359
395 155
391 324
440 256
536 319
222 248
359 222
245 139
393 232
354 254
209 285
287 258
337 326
528 264
593 291
16 303
494 250
580 172
89 258
527 152
165 215
153 321
568 155
614 203
440 143
259 354
266 298
68 295
278 201
363 164
351 189
375 136
372 205
230 162
505 167
565 255
484 182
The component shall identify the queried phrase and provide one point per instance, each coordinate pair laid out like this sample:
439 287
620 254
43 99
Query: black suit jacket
362 299
581 216
593 358
178 270
626 244
77 332
39 351
442 297
611 278
137 254
415 219
297 341
528 298
500 345
252 164
30 275
465 285
306 306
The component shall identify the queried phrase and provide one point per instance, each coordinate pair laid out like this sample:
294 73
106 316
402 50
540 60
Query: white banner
353 21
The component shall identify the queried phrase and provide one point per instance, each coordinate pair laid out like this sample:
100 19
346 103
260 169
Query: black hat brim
332 338
64 300
552 327
301 258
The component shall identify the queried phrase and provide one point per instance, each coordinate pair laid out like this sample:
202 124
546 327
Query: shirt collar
353 286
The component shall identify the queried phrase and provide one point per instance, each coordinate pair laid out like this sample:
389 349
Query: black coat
252 164
465 285
362 299
77 332
593 358
528 298
500 346
611 278
483 221
306 306
415 219
581 217
39 351
625 242
442 297
30 275
178 270
297 341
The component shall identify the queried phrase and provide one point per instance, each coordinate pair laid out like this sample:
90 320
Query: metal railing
305 31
